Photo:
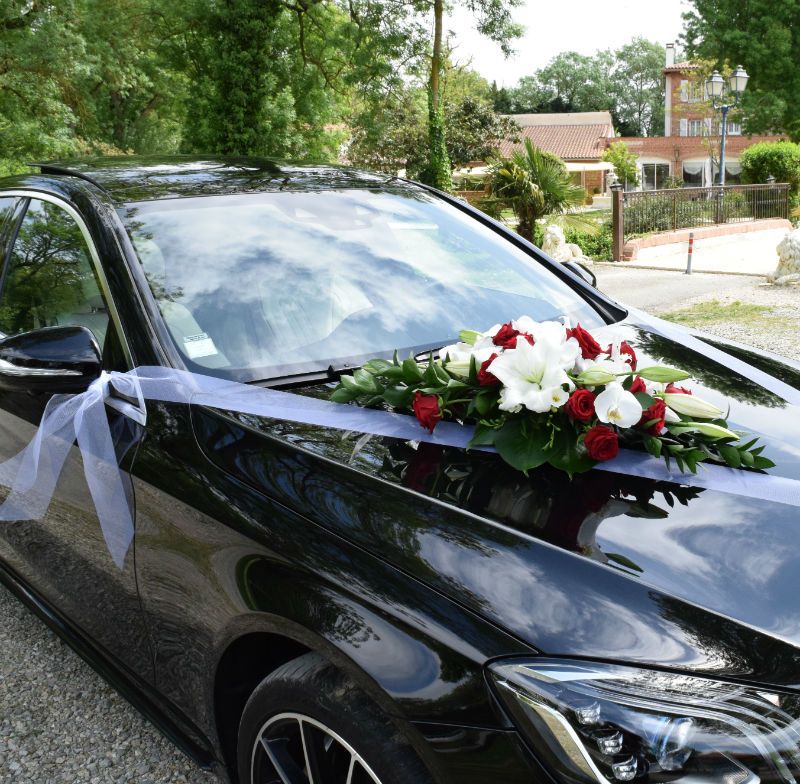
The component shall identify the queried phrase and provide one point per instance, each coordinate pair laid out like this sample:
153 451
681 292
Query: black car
303 605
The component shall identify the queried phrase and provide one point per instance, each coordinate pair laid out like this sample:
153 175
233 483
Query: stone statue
556 246
788 270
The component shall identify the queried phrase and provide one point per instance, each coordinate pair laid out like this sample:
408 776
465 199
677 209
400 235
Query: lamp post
715 87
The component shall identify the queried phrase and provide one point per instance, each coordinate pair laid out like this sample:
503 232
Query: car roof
145 178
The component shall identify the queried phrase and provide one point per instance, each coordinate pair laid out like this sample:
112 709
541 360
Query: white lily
617 406
692 406
459 355
533 375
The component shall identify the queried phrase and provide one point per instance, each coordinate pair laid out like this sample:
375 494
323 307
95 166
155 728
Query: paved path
749 254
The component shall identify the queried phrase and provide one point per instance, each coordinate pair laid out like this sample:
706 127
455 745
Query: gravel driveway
61 723
661 292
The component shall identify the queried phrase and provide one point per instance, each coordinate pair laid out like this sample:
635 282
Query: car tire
307 717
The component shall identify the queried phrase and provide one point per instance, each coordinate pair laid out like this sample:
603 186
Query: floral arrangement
540 392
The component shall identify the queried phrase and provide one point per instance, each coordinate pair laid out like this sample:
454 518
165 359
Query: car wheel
307 724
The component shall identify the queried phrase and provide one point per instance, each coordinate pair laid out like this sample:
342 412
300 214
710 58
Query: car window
50 279
265 285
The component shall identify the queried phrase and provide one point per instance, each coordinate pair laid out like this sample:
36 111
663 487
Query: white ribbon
32 475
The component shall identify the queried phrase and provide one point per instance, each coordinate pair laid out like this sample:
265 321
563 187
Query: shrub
623 161
596 246
779 159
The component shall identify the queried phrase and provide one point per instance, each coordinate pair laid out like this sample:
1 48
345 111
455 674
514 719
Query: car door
52 276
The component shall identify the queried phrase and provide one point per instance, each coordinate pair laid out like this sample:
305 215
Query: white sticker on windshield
200 345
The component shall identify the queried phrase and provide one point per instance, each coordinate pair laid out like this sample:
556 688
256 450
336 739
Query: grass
714 312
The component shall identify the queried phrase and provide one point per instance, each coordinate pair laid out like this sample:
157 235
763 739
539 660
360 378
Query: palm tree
533 184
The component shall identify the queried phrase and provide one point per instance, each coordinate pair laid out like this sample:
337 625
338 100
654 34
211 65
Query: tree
493 19
474 130
624 163
765 38
628 82
533 184
638 88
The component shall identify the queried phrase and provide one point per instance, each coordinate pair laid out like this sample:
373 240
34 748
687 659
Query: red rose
672 389
426 409
506 336
601 443
485 378
590 348
626 348
580 405
657 411
638 385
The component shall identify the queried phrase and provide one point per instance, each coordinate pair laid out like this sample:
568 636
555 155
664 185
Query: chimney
670 55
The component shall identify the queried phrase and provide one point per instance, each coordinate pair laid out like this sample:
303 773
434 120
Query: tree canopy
627 82
764 37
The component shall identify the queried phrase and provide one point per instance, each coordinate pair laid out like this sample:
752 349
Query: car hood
605 565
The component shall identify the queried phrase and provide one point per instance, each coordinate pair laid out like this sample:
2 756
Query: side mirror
582 271
52 359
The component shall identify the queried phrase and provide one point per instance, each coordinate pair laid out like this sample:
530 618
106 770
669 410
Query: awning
589 166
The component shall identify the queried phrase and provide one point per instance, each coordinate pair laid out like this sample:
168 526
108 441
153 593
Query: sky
554 26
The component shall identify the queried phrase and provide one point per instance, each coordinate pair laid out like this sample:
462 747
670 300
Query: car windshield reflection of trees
298 282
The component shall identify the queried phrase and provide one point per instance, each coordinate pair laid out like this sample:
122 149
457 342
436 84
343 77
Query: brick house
689 149
578 138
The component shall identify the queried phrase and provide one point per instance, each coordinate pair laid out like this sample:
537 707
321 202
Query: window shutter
684 129
684 90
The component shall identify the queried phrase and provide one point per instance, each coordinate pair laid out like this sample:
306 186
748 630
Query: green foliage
437 169
442 388
533 184
623 161
627 82
474 130
778 159
597 245
765 38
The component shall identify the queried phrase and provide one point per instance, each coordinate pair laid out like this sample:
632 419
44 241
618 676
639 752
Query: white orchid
534 376
616 406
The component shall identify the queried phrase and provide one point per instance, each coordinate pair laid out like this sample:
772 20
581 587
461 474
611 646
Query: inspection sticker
200 345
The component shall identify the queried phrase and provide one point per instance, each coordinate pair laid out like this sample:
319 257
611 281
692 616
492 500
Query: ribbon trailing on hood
32 474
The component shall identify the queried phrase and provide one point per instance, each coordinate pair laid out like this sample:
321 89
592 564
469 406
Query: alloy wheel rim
292 748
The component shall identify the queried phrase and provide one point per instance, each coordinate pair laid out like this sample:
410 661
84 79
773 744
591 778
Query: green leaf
762 462
663 374
350 384
411 372
483 402
342 395
653 446
378 366
730 454
521 449
748 459
483 436
398 397
366 381
567 454
623 561
645 400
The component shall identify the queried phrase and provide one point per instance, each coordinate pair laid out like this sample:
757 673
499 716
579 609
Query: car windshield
269 285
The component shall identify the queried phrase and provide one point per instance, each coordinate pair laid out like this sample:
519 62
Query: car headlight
591 723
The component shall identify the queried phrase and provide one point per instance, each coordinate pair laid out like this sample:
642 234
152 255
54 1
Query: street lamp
715 87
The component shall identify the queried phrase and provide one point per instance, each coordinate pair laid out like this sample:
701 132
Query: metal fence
683 208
